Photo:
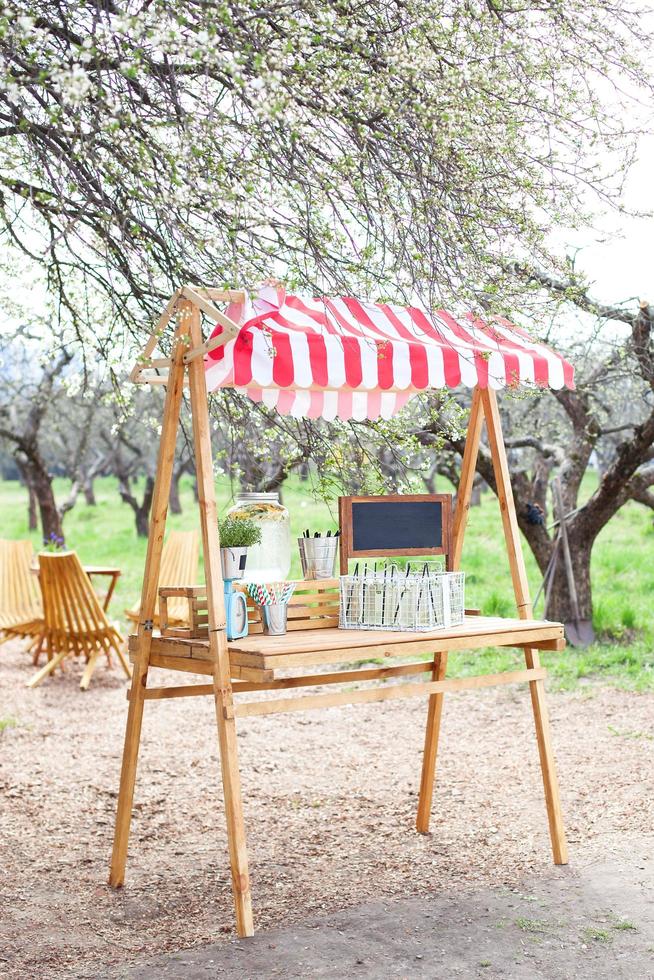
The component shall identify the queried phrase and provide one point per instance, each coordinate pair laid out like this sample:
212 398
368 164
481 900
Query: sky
618 255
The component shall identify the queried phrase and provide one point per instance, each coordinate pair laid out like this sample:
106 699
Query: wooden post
523 602
430 752
468 467
222 685
159 511
435 709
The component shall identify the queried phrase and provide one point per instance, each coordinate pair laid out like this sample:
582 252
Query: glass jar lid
258 498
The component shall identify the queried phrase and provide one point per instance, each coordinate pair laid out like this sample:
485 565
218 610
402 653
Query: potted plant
236 536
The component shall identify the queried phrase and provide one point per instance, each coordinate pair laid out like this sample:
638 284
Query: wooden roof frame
202 298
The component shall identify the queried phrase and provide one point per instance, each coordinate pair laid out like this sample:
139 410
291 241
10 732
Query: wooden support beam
180 691
435 708
199 302
209 345
523 602
430 751
507 503
152 379
397 691
468 469
153 340
223 697
290 683
221 295
159 511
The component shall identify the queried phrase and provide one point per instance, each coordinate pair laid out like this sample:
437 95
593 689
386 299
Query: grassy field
623 572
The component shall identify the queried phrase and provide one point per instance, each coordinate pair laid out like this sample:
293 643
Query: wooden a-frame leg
159 511
222 684
435 709
547 763
430 753
521 590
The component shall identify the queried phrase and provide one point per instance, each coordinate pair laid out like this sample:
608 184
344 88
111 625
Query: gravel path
330 800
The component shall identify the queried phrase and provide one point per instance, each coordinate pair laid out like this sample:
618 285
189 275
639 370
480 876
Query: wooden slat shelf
255 656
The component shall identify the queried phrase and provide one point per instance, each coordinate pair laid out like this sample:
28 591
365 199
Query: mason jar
269 561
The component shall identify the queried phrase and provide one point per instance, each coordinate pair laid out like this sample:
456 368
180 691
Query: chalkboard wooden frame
347 527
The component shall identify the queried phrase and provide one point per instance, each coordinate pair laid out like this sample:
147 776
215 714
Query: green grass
532 925
592 934
623 572
623 925
630 734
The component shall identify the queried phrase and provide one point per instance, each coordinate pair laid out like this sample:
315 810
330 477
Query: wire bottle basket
428 599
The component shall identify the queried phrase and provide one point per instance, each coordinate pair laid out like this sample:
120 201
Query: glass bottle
269 561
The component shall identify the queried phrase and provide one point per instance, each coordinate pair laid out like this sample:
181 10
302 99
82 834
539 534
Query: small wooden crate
313 605
196 596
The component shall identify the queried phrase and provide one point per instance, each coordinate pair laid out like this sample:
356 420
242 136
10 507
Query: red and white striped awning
345 358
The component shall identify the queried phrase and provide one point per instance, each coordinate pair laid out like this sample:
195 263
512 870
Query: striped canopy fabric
349 359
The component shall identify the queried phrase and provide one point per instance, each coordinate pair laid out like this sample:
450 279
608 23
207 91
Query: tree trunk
32 520
70 501
39 483
142 522
142 510
174 502
429 477
50 519
559 607
275 479
89 493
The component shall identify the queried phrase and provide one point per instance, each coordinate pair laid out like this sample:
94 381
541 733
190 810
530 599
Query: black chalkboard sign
394 525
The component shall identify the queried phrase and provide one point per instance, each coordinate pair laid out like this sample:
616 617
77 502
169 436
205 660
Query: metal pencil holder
318 557
273 618
415 601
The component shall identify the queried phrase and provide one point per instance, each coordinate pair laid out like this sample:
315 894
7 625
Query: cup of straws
272 600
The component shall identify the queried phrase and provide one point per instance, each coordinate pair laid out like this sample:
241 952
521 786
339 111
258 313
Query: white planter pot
233 562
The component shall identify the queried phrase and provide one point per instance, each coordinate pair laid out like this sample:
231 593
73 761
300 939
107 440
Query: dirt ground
565 925
330 801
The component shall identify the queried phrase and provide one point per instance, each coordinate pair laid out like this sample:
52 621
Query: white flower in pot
236 536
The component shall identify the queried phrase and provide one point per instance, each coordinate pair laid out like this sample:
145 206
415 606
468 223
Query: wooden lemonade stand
327 358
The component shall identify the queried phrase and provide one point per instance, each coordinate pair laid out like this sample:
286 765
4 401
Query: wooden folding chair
74 622
21 610
179 566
